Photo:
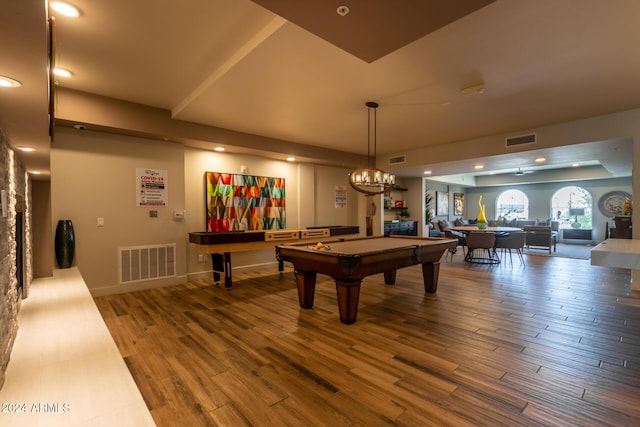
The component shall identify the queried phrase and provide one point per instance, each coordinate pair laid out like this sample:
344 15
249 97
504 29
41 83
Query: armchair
541 237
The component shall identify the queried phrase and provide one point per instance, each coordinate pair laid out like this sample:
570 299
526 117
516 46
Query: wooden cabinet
622 229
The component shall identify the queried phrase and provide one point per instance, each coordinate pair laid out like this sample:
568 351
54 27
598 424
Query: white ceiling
235 65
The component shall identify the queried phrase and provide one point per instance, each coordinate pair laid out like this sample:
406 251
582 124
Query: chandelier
371 180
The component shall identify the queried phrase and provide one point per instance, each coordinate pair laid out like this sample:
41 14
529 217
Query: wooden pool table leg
390 277
430 271
348 295
306 282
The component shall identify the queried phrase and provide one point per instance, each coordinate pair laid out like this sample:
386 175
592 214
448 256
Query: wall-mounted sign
152 187
341 196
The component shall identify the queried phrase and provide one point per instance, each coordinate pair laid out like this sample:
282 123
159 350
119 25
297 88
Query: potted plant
428 217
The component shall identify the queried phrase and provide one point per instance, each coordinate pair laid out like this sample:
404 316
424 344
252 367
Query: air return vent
138 263
397 159
521 140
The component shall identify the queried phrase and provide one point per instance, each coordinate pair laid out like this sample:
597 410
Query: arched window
512 204
572 207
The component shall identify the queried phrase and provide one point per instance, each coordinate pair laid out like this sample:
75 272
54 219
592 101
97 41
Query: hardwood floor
553 342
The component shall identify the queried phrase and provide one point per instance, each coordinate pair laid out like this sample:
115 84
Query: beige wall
325 183
93 176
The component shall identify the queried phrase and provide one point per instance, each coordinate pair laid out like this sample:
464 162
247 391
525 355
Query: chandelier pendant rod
372 106
369 137
375 123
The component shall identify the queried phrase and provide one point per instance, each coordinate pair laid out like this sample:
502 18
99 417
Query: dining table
483 257
466 229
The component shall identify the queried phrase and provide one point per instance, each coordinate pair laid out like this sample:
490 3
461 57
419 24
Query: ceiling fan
520 172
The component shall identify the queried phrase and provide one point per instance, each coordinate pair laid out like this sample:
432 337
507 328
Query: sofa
438 227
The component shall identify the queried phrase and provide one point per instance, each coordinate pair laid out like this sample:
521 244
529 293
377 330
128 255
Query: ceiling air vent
520 140
397 159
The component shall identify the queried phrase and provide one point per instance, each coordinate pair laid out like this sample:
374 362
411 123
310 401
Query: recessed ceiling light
478 166
575 165
541 159
34 172
26 149
220 149
291 159
427 172
9 82
62 72
65 8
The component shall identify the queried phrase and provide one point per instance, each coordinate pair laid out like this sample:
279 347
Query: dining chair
515 241
462 241
480 248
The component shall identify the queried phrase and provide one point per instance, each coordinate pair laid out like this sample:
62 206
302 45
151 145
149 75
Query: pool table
350 261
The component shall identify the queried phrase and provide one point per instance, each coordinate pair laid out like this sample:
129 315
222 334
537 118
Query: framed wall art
612 203
244 202
442 203
458 204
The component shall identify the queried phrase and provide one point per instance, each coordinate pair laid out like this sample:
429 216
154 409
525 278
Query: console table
618 253
577 234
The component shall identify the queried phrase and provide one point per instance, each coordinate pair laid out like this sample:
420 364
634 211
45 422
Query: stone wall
15 182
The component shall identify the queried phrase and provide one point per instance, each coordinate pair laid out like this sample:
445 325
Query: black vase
65 243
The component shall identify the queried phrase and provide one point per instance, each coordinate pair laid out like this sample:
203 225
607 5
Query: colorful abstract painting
244 202
458 204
